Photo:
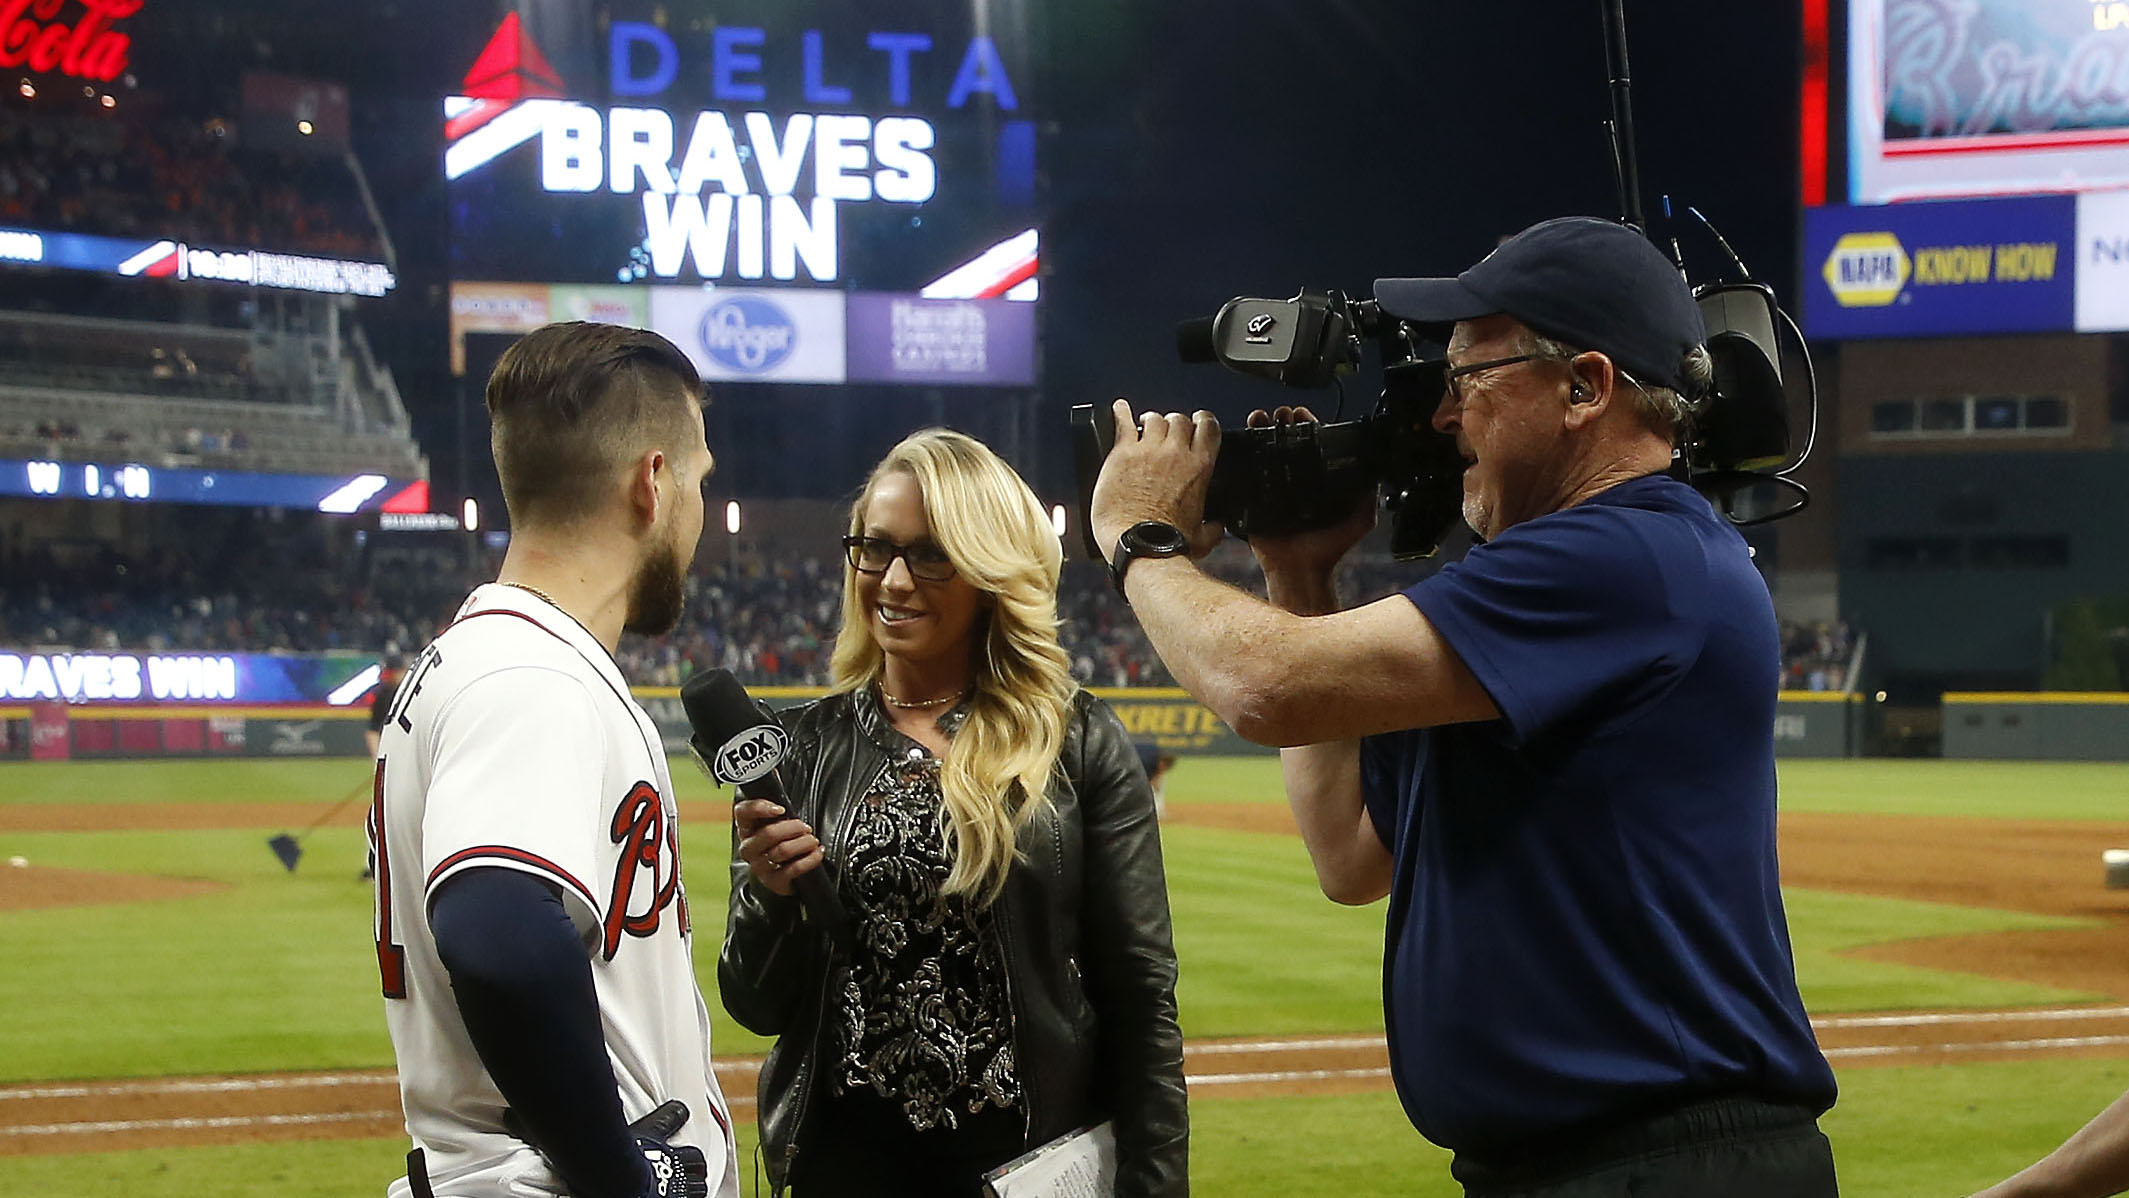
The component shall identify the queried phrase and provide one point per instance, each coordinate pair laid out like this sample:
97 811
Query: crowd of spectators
1816 657
126 172
770 621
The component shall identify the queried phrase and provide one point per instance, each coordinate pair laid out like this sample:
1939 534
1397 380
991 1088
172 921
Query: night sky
1193 151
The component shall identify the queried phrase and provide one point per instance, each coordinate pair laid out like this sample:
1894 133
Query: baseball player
531 923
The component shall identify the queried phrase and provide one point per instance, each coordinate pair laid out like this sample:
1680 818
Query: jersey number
391 958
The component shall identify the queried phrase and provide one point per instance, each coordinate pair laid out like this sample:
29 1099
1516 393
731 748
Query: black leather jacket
1083 923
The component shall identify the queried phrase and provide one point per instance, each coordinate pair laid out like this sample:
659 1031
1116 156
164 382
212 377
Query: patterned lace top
924 1018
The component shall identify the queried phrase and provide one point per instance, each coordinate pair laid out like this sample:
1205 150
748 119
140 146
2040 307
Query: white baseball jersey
514 743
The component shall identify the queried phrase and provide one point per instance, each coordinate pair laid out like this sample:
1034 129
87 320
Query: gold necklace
526 586
892 701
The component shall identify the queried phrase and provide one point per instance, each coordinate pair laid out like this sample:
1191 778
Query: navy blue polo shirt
1584 922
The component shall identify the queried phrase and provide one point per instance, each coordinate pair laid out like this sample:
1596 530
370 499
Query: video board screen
134 482
794 192
1971 98
336 679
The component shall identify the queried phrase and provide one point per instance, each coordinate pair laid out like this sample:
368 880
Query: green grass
1823 925
249 780
1919 1132
1951 1129
1253 779
1997 789
1260 950
286 1169
275 972
2039 790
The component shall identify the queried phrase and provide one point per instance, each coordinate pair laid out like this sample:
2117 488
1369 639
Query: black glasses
1450 378
872 555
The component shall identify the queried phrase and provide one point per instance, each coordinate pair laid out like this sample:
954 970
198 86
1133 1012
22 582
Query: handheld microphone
739 744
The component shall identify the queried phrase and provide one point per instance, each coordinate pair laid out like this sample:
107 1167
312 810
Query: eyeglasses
872 555
1449 379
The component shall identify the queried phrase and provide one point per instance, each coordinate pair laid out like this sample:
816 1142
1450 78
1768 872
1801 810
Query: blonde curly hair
996 774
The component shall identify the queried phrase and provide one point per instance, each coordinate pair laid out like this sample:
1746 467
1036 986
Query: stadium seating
92 388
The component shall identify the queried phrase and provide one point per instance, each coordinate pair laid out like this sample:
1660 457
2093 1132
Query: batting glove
676 1171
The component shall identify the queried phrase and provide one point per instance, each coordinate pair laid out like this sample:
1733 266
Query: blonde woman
1010 977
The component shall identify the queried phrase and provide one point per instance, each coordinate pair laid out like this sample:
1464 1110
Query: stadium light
304 127
731 517
1057 518
472 518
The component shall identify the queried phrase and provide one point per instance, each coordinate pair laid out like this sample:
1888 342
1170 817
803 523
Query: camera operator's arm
2089 1164
1277 677
1323 785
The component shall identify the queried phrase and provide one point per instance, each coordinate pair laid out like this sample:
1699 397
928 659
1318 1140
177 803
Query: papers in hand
1080 1164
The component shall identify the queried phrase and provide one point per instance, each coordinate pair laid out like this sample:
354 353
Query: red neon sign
32 36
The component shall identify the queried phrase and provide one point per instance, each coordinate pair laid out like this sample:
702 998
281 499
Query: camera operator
1555 756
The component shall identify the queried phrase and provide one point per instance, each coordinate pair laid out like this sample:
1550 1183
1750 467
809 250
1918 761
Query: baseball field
182 1016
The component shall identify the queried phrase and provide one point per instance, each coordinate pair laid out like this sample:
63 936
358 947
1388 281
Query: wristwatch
1147 538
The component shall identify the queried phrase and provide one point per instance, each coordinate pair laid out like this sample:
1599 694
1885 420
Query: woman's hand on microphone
777 849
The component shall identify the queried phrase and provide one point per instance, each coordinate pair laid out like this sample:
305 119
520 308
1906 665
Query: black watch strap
1147 538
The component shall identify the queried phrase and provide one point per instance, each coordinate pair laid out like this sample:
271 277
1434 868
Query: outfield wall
63 732
1164 716
1818 724
1805 725
2037 726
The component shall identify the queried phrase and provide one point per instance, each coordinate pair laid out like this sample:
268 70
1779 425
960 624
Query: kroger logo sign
748 334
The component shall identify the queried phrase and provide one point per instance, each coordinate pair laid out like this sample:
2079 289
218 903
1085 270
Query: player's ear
645 476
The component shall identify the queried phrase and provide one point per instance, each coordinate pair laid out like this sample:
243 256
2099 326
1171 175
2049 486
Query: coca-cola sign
70 37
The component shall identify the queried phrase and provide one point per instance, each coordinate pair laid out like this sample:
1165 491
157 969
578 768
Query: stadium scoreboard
787 194
1983 157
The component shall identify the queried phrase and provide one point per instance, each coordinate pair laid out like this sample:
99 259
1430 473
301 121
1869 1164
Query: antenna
1626 167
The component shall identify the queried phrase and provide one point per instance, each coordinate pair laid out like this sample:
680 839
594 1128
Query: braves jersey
514 744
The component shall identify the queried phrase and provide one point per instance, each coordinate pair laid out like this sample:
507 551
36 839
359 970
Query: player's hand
677 1171
1158 469
1317 551
777 849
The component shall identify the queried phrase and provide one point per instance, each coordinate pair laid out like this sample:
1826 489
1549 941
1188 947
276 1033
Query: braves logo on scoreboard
650 859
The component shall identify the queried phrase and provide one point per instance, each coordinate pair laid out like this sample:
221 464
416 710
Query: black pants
1728 1148
859 1145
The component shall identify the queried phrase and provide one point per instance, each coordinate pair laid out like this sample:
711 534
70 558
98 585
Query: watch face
1155 538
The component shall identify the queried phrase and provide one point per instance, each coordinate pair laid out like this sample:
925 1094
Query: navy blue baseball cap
1594 284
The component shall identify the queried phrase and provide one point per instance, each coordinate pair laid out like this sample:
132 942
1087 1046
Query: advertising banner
149 257
910 339
1986 97
132 482
762 336
122 679
2103 262
48 732
515 308
1941 269
609 304
1166 717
